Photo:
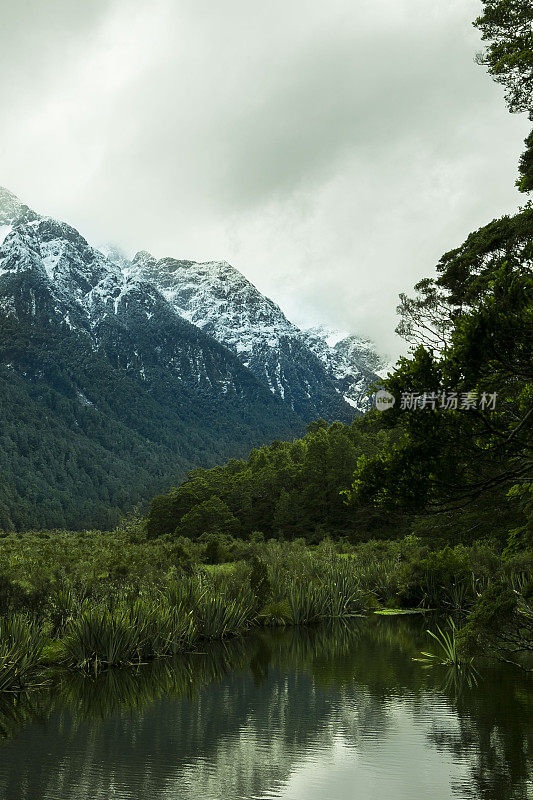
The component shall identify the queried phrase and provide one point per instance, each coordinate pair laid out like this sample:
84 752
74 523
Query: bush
214 551
441 577
501 623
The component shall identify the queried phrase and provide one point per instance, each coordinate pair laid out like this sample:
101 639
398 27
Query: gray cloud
331 152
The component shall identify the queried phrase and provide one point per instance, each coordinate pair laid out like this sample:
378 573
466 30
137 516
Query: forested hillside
110 393
83 438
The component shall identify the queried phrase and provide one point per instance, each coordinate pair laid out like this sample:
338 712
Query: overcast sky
331 151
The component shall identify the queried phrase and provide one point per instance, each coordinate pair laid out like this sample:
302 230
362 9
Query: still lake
332 713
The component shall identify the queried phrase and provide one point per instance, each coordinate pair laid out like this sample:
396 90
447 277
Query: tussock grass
21 646
219 616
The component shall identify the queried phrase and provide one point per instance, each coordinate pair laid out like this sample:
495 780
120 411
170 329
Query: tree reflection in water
240 720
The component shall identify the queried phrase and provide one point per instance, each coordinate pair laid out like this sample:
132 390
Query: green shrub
501 623
276 614
441 577
214 550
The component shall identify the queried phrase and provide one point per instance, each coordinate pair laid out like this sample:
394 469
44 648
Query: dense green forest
303 489
284 490
83 437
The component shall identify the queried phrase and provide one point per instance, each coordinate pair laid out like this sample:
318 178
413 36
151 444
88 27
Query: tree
501 623
210 517
506 25
473 325
525 168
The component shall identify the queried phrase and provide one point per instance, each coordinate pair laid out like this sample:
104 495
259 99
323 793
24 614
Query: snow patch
84 400
51 252
5 230
351 402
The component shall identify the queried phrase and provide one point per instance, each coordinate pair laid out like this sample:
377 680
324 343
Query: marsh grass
166 629
111 608
219 616
21 646
157 625
127 634
307 604
342 591
100 638
337 595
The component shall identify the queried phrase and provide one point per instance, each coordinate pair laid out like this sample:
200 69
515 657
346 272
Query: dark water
332 713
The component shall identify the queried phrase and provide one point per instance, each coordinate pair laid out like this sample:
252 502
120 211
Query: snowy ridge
102 295
220 300
353 360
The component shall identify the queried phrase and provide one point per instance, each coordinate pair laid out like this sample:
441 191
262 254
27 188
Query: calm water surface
334 713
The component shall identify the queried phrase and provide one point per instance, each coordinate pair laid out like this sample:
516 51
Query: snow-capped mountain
224 304
351 360
89 288
50 274
107 395
148 366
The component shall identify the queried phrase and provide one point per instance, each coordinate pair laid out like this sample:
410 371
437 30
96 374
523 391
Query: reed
166 628
308 604
342 592
379 577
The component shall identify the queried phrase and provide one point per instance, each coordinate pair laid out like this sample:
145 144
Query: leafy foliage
447 457
525 167
500 623
507 27
288 488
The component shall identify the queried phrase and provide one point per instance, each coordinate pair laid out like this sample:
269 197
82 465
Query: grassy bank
95 600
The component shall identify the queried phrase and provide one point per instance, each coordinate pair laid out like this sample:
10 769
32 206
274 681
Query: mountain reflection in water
334 712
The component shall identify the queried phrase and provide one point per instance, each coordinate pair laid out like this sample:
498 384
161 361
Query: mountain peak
10 206
312 372
115 255
7 194
142 258
12 209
